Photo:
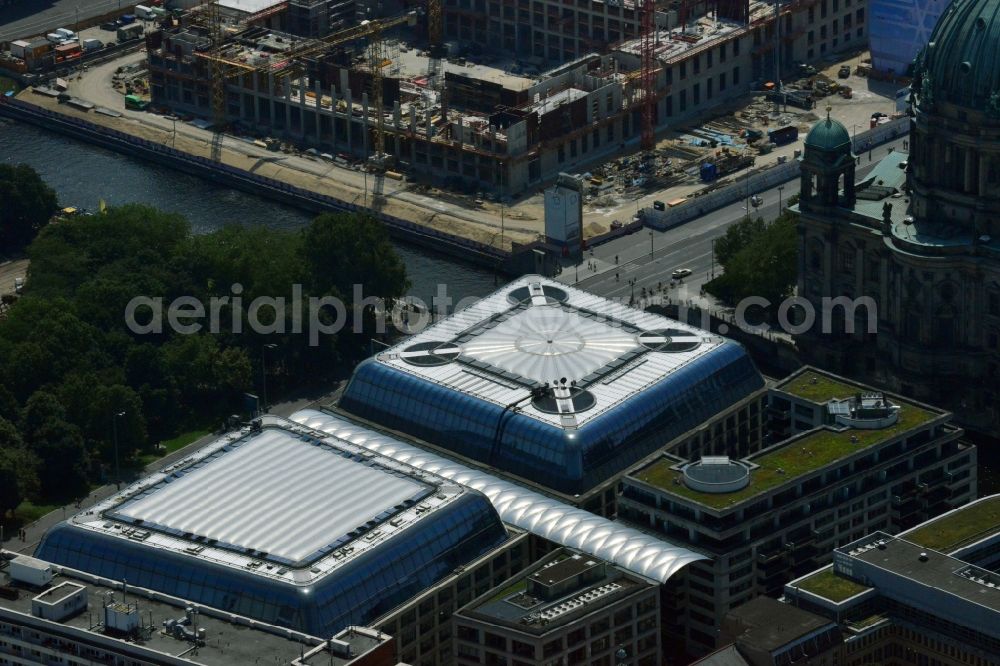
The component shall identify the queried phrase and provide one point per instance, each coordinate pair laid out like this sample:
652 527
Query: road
34 17
686 246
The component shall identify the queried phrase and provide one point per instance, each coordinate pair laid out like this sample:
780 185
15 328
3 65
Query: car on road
18 285
681 273
844 72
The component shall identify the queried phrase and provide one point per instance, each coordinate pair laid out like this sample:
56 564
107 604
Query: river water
83 174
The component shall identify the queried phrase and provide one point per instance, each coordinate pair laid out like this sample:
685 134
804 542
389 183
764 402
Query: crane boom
648 82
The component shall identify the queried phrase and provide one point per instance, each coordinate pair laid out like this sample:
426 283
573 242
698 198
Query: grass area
29 512
971 523
831 586
519 586
182 440
818 387
171 445
7 84
800 456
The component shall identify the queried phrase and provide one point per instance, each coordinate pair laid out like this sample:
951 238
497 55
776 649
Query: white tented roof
276 494
535 331
529 510
249 6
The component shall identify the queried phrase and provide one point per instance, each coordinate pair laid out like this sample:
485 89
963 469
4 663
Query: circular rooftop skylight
427 354
552 294
716 474
669 340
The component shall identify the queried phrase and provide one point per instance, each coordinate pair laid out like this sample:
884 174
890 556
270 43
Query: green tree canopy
58 445
18 469
26 204
759 260
69 362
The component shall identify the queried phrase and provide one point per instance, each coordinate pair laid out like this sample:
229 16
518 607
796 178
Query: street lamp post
748 191
780 188
713 257
114 435
263 371
650 243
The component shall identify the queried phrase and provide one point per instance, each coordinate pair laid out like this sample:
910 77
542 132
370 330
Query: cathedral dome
959 64
830 136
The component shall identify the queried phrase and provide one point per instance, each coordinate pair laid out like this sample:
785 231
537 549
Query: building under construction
483 127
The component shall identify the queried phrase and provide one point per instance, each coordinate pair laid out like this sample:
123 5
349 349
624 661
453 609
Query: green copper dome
960 62
830 136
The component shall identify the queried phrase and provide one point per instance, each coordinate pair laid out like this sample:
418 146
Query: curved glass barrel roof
551 383
541 515
284 525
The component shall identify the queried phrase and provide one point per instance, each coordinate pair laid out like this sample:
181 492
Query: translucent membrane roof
552 384
519 506
275 494
549 343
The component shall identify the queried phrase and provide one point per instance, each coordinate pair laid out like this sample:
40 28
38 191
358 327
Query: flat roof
785 462
770 624
534 332
818 386
973 522
280 501
229 643
827 584
274 493
514 607
529 510
249 6
414 65
932 569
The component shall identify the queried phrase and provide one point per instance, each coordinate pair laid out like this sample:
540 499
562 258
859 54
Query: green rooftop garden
818 387
810 452
829 585
971 523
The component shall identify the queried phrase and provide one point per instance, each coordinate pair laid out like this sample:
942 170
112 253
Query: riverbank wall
452 245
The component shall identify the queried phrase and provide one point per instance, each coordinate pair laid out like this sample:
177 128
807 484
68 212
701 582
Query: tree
764 265
60 449
737 237
26 204
343 251
18 473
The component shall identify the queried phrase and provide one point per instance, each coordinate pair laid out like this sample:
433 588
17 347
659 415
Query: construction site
430 93
411 114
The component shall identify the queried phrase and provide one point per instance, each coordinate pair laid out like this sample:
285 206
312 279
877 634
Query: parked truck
135 102
783 135
130 32
144 12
